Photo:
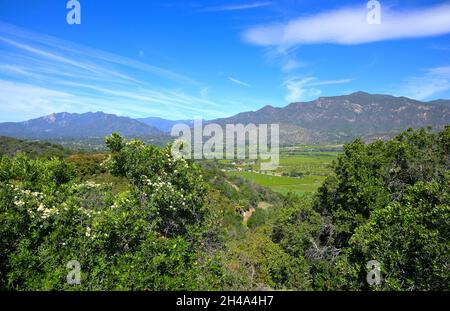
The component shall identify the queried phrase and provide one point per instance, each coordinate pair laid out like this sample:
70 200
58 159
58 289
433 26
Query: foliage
389 202
139 219
132 240
34 149
262 264
410 239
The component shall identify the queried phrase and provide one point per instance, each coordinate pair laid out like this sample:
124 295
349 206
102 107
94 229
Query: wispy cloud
234 80
237 7
27 98
434 81
285 57
87 55
41 74
291 65
349 26
440 47
91 68
303 89
442 71
204 92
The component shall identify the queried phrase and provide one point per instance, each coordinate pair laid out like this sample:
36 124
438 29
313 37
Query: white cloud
349 26
47 75
26 99
16 70
237 7
82 56
92 68
306 88
443 71
238 82
297 92
291 65
170 99
434 81
440 47
204 92
330 82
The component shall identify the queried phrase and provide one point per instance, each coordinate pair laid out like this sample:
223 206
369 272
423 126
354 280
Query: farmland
283 184
301 170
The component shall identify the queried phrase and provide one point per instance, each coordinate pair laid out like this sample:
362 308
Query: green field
307 163
303 169
283 184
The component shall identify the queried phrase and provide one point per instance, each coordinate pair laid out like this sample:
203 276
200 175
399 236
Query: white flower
37 195
92 184
19 203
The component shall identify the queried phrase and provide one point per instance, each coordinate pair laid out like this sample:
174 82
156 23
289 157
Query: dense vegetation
11 146
137 218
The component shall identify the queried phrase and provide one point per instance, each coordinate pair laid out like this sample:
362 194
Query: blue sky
209 59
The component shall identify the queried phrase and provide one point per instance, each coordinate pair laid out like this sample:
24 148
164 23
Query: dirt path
262 205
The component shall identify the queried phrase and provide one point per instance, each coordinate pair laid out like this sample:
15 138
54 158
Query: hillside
74 125
341 118
162 124
11 146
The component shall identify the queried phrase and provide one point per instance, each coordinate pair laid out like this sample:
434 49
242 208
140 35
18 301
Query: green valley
136 218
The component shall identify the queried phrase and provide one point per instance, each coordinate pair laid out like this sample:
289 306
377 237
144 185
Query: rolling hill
12 146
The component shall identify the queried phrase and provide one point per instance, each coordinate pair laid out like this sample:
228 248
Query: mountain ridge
326 119
341 118
77 125
161 124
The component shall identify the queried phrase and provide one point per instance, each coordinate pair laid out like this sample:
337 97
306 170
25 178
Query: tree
147 237
389 202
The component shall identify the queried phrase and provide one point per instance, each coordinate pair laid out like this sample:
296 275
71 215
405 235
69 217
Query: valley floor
301 170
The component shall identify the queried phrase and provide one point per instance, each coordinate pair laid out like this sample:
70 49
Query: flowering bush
142 238
171 192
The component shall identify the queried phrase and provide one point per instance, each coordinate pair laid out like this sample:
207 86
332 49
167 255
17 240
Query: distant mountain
325 120
341 118
162 124
444 102
74 125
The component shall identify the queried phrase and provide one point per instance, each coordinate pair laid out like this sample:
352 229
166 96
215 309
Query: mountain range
324 120
341 118
163 124
74 125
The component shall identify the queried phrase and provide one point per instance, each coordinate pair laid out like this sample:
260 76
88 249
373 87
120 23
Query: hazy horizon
187 118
